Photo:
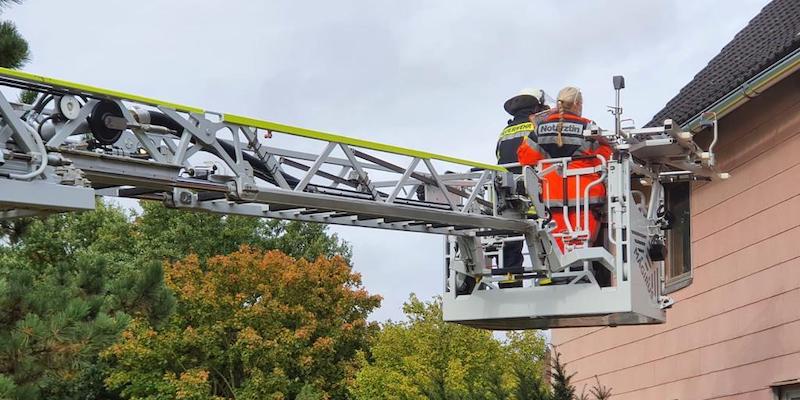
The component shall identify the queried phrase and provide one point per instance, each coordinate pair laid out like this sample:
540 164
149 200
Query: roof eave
748 90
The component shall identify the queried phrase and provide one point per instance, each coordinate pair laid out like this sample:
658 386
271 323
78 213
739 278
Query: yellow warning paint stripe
366 144
80 88
93 90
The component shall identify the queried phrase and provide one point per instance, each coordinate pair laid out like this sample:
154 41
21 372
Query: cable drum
102 115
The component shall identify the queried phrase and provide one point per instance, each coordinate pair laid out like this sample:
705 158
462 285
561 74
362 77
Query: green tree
107 230
14 51
250 325
112 260
427 358
563 389
600 391
169 234
68 288
524 346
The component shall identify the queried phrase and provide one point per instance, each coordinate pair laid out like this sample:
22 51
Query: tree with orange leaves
250 325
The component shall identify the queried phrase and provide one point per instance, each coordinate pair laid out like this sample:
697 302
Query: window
790 394
679 257
786 390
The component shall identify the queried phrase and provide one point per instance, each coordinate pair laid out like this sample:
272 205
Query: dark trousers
512 258
512 254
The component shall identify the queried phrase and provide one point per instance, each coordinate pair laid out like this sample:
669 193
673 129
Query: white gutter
748 90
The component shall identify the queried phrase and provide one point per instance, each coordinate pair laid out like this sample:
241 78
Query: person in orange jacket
560 134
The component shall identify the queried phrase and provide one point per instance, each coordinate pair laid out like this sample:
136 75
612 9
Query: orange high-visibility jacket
568 141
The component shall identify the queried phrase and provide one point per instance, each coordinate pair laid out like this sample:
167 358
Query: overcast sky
425 74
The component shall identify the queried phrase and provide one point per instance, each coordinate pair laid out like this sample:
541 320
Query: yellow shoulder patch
510 130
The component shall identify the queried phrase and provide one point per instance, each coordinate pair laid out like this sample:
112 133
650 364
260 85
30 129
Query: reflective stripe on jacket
510 139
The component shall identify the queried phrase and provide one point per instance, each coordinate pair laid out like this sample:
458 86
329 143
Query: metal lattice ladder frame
152 161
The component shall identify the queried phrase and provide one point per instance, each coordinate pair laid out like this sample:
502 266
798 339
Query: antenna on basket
619 84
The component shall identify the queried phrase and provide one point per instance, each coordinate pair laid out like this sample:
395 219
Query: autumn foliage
250 325
166 305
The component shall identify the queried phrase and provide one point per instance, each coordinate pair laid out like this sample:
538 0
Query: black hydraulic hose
259 168
37 107
41 103
161 119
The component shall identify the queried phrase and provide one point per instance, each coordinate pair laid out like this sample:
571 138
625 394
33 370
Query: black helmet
528 100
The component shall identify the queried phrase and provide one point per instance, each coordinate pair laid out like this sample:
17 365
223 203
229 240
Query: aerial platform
77 141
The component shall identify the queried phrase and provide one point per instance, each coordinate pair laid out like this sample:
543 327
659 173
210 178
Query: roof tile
768 37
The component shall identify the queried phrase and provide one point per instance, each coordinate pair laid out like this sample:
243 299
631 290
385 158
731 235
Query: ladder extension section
78 141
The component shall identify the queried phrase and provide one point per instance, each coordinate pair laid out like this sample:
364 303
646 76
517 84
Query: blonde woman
560 134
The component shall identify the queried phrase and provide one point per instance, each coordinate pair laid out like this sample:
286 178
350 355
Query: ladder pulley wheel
98 122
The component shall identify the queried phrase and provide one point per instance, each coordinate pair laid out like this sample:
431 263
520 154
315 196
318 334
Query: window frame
673 283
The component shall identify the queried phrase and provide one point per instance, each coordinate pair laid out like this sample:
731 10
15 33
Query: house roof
768 37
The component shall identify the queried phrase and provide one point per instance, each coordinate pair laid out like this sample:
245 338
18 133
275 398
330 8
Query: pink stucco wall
736 329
